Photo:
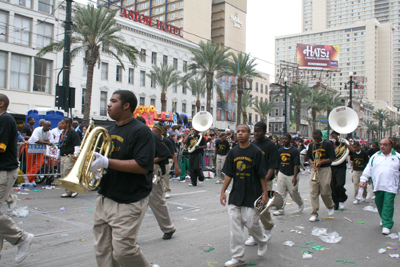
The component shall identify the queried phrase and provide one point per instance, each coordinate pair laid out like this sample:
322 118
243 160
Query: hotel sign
147 20
237 23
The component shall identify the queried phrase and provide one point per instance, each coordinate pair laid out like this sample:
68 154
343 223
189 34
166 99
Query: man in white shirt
384 170
56 132
42 135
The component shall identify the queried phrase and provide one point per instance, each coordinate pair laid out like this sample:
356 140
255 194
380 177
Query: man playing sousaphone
320 154
195 158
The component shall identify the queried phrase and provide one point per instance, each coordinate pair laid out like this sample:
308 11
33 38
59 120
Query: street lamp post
285 129
351 82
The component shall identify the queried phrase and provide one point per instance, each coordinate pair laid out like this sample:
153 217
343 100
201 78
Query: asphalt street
63 231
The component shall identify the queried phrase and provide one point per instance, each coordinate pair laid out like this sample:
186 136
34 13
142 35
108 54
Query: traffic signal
64 99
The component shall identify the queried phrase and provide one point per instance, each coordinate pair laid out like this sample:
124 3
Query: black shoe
168 235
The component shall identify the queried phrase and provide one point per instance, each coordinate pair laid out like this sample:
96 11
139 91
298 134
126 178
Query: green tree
390 123
165 76
371 126
380 115
247 101
207 59
314 102
331 101
198 88
93 28
243 68
264 107
299 92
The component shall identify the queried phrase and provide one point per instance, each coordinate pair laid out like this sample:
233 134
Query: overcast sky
265 20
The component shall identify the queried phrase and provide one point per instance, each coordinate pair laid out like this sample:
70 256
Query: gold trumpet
80 179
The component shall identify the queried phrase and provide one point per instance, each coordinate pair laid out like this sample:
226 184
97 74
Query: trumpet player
320 155
338 181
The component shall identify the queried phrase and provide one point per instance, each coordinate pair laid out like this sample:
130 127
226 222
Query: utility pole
67 58
351 82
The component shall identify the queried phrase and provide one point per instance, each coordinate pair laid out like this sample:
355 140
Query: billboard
319 57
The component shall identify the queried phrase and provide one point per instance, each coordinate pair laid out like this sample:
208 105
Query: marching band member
245 165
171 160
339 175
221 150
320 154
270 154
359 161
195 158
125 188
289 161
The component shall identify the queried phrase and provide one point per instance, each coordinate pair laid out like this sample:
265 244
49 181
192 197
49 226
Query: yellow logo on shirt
240 166
118 146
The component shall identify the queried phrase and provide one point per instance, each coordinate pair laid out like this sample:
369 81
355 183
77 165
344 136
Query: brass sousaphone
201 122
343 120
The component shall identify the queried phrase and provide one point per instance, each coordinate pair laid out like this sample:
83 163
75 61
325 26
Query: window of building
3 69
256 87
165 60
3 25
173 6
84 69
181 13
143 57
266 89
256 117
153 81
202 108
46 6
130 76
19 78
184 107
141 101
184 66
181 23
175 88
104 71
104 47
142 78
154 58
174 106
184 89
152 101
159 9
25 3
175 63
276 112
22 27
83 97
128 2
194 110
181 4
159 2
118 76
144 5
262 88
42 75
172 15
103 103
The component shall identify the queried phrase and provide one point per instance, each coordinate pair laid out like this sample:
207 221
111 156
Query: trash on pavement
393 236
288 243
307 256
370 208
394 255
63 209
331 238
210 249
346 261
348 219
318 231
382 250
21 212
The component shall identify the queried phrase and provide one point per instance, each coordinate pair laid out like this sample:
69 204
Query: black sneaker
168 235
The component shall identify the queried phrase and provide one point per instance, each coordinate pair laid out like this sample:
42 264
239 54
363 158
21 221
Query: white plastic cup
360 193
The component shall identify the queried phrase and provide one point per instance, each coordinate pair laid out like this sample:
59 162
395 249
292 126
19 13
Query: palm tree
330 102
314 102
243 68
165 76
264 107
299 92
247 101
207 59
390 123
198 88
93 28
380 115
370 127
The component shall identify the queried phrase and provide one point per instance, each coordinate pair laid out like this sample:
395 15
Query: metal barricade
38 162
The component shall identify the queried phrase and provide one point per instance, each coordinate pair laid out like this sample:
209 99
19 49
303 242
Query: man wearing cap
174 128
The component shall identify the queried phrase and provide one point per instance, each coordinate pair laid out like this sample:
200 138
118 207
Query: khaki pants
159 206
220 165
8 229
356 181
66 166
166 175
238 218
285 186
321 186
115 229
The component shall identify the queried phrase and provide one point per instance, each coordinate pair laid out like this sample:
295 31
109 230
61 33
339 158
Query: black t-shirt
288 158
397 148
161 151
326 152
195 139
246 167
343 164
27 129
130 141
270 152
222 147
8 143
371 152
360 160
71 139
301 147
171 147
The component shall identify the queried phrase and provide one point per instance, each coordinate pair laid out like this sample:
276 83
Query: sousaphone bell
201 122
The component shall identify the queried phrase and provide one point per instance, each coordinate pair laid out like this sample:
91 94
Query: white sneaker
301 208
331 212
262 250
368 195
190 184
278 212
218 182
167 195
11 206
363 199
380 223
187 177
182 181
235 262
23 248
250 241
74 194
268 233
313 218
355 202
155 265
200 182
341 205
385 231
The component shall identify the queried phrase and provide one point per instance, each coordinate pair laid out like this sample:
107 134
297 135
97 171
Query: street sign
36 149
323 120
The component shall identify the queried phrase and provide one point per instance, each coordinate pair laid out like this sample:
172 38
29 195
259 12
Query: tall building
320 15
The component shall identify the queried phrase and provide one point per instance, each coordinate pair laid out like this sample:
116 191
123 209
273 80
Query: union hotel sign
147 20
